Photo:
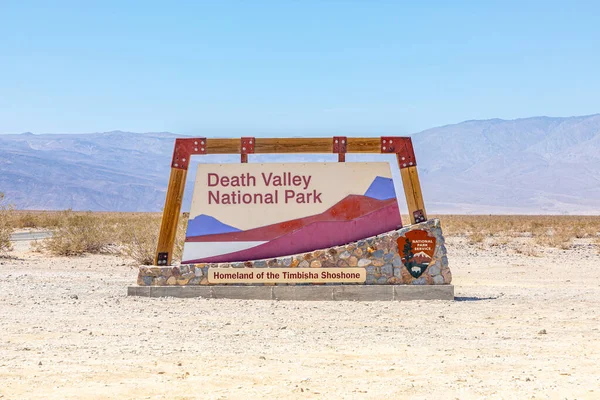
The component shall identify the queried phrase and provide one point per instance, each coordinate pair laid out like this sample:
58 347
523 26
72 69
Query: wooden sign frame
340 145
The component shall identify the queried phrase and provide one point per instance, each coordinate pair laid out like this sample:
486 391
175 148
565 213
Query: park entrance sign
298 230
246 212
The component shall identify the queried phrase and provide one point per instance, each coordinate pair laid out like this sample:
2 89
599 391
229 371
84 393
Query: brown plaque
416 249
287 275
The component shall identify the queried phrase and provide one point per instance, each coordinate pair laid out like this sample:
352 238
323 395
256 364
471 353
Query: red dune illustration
348 209
318 234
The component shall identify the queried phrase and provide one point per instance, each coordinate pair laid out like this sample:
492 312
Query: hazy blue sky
292 67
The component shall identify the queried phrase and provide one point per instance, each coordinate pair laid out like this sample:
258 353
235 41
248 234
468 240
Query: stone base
378 255
316 293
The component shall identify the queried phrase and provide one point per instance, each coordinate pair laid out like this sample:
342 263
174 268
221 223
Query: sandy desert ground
521 327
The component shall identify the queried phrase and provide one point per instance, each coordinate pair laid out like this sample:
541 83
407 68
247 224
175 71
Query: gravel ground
521 327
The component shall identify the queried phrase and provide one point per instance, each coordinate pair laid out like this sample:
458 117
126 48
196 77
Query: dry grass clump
560 237
139 236
546 230
131 235
6 228
135 235
79 233
20 219
476 237
526 249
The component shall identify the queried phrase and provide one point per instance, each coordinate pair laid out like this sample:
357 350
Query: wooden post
170 217
412 191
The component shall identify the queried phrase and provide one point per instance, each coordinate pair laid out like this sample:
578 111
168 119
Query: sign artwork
244 212
416 249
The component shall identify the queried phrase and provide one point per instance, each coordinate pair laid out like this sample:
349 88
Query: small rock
542 332
363 262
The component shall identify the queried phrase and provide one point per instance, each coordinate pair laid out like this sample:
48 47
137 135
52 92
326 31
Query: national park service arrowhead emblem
416 249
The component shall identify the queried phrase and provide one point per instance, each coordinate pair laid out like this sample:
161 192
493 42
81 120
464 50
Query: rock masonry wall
378 254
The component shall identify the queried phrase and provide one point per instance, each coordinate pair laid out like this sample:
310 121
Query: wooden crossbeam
186 147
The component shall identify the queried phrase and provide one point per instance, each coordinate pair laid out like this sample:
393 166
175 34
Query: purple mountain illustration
207 225
381 189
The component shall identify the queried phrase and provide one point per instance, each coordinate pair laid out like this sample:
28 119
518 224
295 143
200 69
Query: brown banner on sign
287 275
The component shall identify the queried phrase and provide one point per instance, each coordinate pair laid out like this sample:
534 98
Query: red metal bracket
339 144
419 217
184 148
403 148
247 145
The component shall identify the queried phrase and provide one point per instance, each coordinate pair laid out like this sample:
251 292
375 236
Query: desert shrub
547 230
6 228
79 233
559 237
500 241
131 235
35 219
138 237
526 249
25 220
476 237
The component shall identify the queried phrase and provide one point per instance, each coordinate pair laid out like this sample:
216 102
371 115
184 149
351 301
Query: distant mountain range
536 165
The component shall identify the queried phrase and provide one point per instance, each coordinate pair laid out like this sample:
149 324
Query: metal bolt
250 141
383 140
403 158
243 148
195 149
183 160
384 147
177 165
202 142
196 143
336 140
202 149
343 141
404 165
410 163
